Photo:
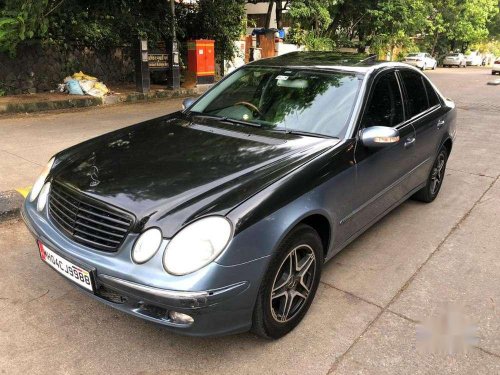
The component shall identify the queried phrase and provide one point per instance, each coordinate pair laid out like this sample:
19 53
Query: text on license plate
65 267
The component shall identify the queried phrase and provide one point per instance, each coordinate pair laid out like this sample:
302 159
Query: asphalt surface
421 275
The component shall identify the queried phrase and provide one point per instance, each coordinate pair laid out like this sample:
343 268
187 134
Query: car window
385 107
285 99
431 94
415 92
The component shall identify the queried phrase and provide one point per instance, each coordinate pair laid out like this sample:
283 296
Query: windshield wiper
241 122
306 133
227 119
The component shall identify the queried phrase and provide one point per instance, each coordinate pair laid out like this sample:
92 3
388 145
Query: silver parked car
455 59
421 60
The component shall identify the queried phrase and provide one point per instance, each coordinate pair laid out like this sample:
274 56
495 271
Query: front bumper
452 62
219 298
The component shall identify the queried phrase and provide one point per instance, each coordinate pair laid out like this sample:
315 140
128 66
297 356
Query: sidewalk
29 103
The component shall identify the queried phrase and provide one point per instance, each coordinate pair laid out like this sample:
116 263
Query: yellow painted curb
24 191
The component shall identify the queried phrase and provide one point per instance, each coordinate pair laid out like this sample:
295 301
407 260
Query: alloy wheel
292 283
437 173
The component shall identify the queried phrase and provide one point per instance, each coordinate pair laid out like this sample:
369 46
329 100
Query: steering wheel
251 106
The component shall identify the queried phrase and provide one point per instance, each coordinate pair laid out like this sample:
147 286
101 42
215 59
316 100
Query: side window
431 94
385 107
415 91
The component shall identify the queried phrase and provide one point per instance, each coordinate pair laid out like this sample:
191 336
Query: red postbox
201 60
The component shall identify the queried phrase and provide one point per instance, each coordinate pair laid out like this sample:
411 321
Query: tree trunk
435 43
269 13
279 13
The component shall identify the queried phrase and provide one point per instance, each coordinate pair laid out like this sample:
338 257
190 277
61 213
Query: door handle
440 124
410 141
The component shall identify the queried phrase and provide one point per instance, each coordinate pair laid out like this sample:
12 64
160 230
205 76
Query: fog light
180 318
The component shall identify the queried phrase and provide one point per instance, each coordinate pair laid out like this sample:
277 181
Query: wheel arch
322 226
448 144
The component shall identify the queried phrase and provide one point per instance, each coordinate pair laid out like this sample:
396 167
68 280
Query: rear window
416 95
432 95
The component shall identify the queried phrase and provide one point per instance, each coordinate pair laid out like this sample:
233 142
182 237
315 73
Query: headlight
147 245
37 187
42 199
197 245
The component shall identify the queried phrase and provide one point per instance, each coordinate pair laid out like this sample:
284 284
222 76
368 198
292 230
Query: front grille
87 221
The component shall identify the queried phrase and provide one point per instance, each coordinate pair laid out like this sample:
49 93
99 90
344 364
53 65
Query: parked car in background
455 59
218 219
474 59
496 67
421 60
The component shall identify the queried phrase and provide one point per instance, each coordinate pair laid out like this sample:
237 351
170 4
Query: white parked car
474 59
455 59
421 60
496 66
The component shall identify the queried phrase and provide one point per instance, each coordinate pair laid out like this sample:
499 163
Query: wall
38 69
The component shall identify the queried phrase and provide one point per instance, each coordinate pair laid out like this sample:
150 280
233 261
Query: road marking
24 191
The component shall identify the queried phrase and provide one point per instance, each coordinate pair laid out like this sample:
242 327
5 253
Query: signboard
158 59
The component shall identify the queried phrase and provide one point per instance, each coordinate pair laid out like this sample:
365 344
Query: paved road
404 271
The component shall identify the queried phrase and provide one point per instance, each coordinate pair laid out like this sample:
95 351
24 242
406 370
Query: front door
382 173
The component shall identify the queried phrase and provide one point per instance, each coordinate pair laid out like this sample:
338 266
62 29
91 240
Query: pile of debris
83 84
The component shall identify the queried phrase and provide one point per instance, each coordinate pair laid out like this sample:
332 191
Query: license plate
66 268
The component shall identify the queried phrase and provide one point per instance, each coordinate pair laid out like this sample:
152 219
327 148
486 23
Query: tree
312 20
396 22
20 20
221 21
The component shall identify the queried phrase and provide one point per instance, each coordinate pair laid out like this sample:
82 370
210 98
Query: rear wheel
290 284
435 180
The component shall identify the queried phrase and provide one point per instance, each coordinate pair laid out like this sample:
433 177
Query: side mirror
379 136
188 102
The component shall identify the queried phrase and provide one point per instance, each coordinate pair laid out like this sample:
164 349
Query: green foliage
384 25
312 19
396 26
221 21
21 20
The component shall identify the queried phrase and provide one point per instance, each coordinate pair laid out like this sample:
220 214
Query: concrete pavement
374 296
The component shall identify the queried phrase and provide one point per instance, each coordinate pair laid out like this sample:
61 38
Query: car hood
171 170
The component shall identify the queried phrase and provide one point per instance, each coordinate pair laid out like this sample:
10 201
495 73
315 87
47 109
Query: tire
434 67
274 317
430 191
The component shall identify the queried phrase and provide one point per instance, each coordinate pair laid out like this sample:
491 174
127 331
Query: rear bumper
220 300
418 64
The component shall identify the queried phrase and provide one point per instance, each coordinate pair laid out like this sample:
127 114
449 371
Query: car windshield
414 54
455 54
283 99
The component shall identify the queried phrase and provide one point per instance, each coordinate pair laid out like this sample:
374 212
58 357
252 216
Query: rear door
425 113
381 174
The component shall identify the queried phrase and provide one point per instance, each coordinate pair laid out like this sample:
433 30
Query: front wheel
435 180
290 284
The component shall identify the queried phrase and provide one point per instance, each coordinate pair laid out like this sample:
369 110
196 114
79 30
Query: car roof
358 63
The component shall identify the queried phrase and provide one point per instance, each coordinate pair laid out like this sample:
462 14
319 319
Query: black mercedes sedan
217 219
